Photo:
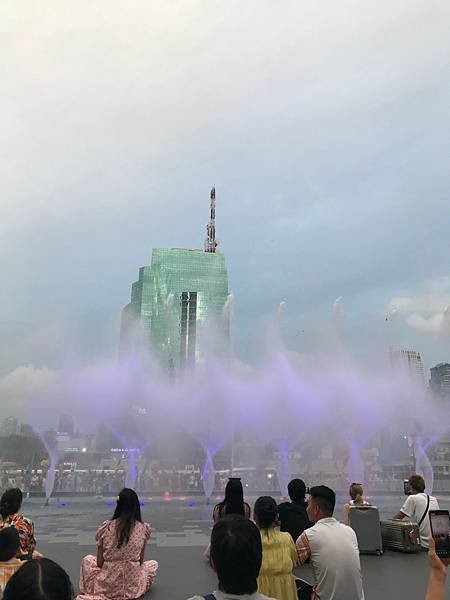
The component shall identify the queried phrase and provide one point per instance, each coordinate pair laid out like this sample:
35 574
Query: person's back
279 556
119 571
292 515
236 555
9 545
356 494
233 503
332 548
335 560
417 506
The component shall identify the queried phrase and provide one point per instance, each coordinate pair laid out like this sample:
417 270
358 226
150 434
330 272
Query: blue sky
323 126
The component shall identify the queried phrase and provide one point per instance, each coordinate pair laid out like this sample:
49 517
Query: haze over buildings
323 126
410 362
440 380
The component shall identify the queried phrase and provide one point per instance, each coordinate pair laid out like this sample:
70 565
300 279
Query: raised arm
438 574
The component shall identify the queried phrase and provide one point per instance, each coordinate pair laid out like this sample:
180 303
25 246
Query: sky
323 126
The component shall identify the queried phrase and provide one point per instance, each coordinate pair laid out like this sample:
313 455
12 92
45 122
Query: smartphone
440 530
407 487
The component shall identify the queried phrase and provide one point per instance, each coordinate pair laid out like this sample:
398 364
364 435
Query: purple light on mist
311 407
283 470
423 464
208 474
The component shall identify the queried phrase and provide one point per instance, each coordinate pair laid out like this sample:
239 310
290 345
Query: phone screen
406 487
440 530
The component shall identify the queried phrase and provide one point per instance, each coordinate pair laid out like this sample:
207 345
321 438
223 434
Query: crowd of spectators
253 553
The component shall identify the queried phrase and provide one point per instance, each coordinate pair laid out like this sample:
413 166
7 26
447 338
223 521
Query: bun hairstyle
266 511
10 502
356 493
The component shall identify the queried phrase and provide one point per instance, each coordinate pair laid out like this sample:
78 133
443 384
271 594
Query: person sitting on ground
279 554
37 579
119 571
236 555
10 504
356 499
333 550
293 517
9 545
437 574
417 506
233 503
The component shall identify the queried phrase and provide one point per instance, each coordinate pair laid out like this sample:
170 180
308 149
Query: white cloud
427 312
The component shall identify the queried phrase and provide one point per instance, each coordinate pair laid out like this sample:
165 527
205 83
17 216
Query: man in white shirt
236 556
417 506
332 548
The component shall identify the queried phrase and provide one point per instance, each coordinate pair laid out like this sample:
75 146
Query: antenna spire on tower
211 242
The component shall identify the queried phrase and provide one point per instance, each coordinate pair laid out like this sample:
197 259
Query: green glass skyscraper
174 298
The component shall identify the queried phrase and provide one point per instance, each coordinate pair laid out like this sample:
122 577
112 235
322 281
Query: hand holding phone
440 531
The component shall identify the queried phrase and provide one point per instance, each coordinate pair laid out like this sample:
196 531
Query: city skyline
324 133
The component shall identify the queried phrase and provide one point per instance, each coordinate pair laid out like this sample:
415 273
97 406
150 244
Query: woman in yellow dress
276 578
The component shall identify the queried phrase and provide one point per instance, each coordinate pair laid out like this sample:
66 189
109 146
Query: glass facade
172 300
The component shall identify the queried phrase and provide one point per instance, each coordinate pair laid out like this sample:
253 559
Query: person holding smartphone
438 573
417 507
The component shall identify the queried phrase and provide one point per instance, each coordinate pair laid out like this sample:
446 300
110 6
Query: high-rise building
410 362
174 298
440 380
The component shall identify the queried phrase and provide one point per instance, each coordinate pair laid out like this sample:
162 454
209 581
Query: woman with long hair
119 571
356 499
279 556
233 503
10 504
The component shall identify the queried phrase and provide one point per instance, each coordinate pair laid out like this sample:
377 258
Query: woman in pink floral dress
119 571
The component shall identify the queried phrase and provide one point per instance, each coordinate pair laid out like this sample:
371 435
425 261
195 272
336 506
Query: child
9 546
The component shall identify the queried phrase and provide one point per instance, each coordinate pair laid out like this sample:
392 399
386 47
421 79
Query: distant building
410 362
440 380
173 298
66 425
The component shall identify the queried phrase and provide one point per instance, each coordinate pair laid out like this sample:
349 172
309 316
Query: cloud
427 312
320 124
21 385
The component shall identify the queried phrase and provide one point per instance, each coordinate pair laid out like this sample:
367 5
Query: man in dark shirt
292 515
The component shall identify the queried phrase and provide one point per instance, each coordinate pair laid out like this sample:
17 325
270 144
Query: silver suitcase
365 521
402 536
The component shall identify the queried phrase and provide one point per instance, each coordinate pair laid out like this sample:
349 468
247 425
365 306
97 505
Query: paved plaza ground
181 528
